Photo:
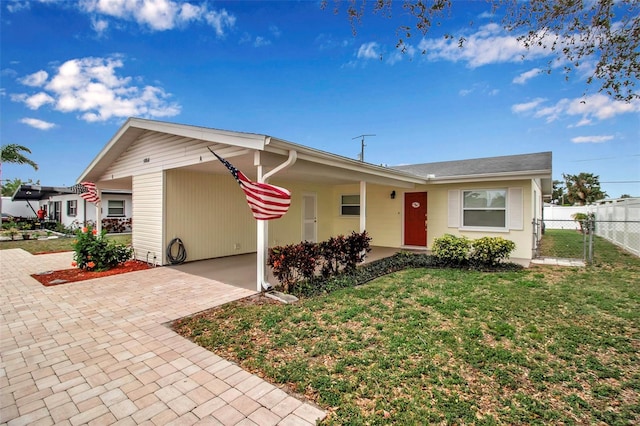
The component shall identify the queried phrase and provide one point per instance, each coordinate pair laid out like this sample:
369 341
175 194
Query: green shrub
451 250
94 252
489 251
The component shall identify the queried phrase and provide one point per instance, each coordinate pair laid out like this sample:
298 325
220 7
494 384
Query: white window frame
343 205
109 207
72 208
504 209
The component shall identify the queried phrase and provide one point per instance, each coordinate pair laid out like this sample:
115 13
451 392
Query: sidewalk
99 352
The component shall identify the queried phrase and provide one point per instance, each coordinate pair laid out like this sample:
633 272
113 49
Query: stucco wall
438 215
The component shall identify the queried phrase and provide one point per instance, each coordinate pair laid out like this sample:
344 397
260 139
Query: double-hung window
485 208
115 208
350 205
72 207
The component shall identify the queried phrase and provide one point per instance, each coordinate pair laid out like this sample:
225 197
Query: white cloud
489 45
220 21
36 79
99 25
406 50
261 41
36 101
583 122
368 51
17 6
92 88
275 31
527 106
591 139
526 76
158 15
37 124
590 108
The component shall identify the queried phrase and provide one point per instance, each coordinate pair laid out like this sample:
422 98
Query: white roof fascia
526 174
243 140
282 147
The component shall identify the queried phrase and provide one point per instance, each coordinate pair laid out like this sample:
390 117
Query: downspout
263 225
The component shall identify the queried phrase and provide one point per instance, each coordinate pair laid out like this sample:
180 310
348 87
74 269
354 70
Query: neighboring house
68 208
16 208
181 191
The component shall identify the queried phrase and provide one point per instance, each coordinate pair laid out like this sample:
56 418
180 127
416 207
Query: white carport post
363 206
98 205
263 225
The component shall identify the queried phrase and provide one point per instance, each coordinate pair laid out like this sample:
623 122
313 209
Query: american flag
86 190
266 201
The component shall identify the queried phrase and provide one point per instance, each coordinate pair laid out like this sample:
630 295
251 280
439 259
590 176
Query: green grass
55 245
567 243
538 346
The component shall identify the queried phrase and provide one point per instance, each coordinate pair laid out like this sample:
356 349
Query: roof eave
281 147
502 176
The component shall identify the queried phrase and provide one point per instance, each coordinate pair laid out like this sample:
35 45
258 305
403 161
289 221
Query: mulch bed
64 276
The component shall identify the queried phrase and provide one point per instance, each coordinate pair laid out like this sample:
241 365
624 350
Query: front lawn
55 245
538 346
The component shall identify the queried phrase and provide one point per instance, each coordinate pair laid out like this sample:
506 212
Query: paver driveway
99 352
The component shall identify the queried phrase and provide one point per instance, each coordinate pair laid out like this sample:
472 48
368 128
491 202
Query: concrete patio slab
99 352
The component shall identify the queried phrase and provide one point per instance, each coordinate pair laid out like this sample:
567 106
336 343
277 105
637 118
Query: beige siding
209 214
343 225
288 229
147 200
153 152
383 215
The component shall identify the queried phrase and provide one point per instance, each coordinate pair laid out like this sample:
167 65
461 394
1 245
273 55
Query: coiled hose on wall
181 254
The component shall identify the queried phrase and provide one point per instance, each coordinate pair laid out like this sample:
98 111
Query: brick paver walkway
99 352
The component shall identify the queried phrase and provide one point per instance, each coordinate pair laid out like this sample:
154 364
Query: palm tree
13 153
583 188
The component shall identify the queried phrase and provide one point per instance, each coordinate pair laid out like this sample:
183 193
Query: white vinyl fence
561 217
618 221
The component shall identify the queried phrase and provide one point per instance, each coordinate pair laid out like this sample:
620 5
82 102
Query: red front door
415 219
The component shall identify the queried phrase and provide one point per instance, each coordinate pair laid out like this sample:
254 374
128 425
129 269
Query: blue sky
72 72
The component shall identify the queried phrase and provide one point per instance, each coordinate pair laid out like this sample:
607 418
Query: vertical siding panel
209 214
147 200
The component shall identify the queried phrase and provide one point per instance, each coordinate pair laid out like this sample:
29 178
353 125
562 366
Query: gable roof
537 162
536 165
314 162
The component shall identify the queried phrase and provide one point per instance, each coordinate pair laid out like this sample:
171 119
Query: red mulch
77 274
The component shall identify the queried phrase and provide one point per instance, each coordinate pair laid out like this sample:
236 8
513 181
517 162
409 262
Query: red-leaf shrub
298 262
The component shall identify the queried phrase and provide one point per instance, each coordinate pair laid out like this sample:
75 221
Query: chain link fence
580 239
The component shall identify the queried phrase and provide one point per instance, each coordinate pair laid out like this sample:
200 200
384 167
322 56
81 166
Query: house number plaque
415 204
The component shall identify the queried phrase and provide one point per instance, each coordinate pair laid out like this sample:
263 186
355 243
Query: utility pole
362 146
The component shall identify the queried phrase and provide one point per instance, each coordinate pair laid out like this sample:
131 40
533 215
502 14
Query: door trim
404 220
306 221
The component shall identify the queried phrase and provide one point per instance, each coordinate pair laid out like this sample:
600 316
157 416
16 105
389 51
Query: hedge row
378 268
